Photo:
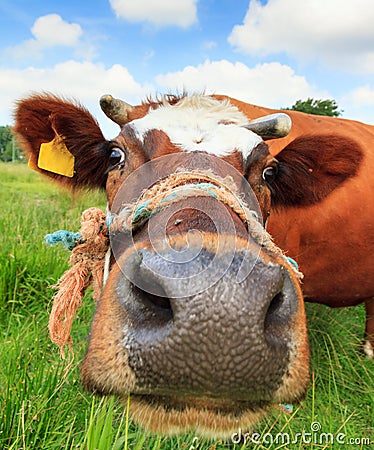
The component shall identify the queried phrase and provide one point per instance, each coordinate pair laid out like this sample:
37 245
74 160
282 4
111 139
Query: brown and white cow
197 350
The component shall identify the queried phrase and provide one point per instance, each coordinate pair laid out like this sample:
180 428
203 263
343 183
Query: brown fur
206 421
105 335
253 168
311 167
157 144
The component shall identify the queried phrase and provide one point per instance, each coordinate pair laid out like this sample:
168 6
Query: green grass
42 403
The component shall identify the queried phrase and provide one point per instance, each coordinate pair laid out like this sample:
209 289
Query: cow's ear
311 167
62 140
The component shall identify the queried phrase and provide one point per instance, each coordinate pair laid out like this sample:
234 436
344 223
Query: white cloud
270 84
273 84
52 30
48 31
209 45
181 13
83 81
359 104
361 96
335 32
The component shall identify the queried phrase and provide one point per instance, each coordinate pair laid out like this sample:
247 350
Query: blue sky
270 53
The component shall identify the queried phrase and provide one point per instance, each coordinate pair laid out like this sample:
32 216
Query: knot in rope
67 238
87 267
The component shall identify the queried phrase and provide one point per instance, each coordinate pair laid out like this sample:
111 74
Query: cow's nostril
156 300
276 319
147 287
274 307
159 300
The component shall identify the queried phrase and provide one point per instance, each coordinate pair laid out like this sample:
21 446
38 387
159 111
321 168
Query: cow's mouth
211 418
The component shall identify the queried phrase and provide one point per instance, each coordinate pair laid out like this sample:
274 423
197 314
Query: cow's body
333 241
210 353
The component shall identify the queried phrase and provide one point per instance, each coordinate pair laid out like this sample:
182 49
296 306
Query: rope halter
186 184
177 186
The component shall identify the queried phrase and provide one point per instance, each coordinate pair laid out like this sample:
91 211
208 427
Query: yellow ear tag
32 163
56 158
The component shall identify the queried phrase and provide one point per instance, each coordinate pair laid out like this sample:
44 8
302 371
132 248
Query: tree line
319 107
10 151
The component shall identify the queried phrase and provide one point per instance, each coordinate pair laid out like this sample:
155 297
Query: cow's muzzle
230 340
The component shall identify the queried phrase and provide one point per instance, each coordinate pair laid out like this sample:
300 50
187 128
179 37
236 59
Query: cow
198 342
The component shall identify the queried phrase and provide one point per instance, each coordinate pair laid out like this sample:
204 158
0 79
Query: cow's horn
271 127
116 109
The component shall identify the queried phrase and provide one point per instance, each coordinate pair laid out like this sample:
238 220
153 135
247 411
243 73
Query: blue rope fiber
292 261
67 238
142 212
109 219
287 408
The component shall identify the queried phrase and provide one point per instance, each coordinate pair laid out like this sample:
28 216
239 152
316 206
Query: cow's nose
228 338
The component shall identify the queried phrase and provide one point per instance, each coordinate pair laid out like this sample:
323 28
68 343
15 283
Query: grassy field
42 404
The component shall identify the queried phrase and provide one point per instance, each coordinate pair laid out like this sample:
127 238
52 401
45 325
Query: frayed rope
88 250
68 239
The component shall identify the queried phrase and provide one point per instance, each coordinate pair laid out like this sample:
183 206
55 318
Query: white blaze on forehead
200 123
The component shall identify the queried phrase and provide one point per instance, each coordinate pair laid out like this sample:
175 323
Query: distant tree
9 150
320 107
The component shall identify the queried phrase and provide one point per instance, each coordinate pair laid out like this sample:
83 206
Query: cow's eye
116 157
269 174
